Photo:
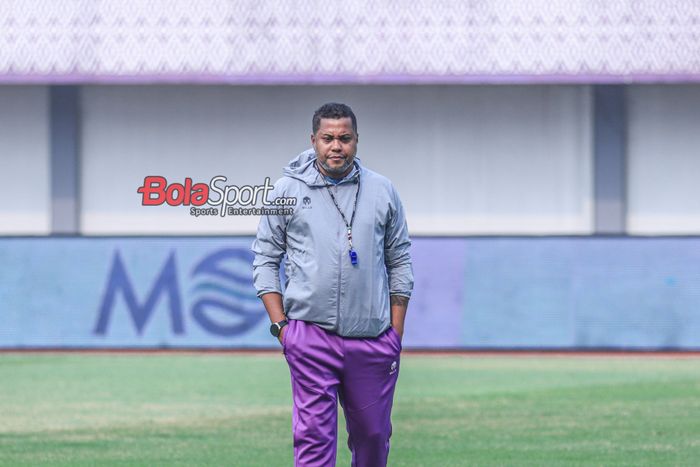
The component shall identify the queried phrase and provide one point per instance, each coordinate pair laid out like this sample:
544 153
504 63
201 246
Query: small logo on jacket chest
306 203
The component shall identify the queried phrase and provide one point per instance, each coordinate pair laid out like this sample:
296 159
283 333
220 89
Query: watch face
275 330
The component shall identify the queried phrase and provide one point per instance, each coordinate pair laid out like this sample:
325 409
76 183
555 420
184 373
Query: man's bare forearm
399 305
275 309
273 305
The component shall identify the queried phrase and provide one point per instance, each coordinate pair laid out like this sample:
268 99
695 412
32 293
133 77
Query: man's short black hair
333 110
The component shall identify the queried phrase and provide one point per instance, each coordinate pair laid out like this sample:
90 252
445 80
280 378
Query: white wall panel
664 160
24 160
486 160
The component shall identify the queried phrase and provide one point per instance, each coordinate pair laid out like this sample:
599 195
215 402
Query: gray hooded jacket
322 286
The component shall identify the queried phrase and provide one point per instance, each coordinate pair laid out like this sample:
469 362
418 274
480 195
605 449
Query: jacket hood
302 168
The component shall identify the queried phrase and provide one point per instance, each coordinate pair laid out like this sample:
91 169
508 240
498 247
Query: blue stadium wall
485 293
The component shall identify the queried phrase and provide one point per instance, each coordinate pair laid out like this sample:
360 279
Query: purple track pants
360 373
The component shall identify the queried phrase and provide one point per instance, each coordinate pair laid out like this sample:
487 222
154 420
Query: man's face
335 144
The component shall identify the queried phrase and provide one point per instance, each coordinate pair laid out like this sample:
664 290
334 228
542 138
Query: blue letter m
119 280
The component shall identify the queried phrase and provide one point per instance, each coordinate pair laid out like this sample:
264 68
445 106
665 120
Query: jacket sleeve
396 250
269 246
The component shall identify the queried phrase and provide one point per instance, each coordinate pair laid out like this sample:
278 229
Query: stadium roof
307 41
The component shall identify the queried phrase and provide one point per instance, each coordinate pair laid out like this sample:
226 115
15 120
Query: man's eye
327 140
346 139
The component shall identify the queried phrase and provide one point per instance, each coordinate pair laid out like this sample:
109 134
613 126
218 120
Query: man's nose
335 145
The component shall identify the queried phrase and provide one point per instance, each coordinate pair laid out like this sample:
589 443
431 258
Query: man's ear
357 137
313 140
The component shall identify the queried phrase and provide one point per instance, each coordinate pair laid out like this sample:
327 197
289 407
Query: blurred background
547 154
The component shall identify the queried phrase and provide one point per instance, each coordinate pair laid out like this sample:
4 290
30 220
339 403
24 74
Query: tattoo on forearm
399 300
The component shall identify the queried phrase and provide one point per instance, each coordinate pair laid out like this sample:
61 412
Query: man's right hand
275 309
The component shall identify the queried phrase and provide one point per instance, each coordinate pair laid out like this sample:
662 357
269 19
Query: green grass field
235 409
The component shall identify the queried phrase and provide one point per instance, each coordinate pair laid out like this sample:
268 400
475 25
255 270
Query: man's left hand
399 304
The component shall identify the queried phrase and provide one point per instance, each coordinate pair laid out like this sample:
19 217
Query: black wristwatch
276 328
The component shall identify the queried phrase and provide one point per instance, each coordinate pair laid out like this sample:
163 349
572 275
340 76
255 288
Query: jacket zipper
340 273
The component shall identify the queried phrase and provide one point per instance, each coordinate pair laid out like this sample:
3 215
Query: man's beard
339 171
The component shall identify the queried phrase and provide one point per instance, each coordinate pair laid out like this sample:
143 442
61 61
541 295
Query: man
349 279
